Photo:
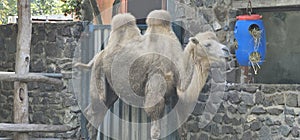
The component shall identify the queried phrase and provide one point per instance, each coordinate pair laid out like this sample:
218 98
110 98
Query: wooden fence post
22 65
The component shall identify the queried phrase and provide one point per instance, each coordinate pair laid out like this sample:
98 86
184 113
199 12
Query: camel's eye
207 45
194 40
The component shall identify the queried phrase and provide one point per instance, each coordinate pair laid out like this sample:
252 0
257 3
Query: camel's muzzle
226 53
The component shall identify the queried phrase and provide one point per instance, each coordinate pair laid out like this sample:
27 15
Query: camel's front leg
155 113
155 104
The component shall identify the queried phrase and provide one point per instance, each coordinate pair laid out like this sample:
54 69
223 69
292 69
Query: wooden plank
51 75
29 77
241 4
33 127
22 66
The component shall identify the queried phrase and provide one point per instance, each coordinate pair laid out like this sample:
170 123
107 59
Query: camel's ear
194 40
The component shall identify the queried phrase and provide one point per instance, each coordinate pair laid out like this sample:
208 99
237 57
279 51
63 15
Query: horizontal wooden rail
31 77
33 127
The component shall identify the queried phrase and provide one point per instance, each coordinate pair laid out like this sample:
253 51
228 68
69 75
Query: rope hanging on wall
250 36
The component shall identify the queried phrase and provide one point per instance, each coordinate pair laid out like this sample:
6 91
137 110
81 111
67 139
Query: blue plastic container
245 41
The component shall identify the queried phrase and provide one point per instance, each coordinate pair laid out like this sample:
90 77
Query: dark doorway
141 8
282 64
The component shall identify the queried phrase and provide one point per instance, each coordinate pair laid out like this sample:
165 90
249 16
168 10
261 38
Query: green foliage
40 7
72 7
46 7
7 8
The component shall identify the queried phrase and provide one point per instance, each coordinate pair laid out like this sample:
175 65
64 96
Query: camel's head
206 46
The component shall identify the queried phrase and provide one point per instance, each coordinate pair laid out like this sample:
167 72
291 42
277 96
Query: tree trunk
22 66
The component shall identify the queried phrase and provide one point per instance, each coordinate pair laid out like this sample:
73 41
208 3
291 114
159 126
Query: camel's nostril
225 49
226 53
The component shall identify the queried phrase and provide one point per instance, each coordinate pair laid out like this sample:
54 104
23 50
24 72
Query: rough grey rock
292 100
218 118
220 12
226 119
258 110
217 27
265 133
247 136
180 12
192 126
199 108
256 125
198 3
246 127
274 130
268 101
218 75
242 108
284 130
228 130
236 122
250 88
221 108
288 111
259 98
274 111
215 130
234 137
232 109
295 132
209 3
203 97
234 97
204 136
269 121
207 128
268 89
290 120
278 99
247 99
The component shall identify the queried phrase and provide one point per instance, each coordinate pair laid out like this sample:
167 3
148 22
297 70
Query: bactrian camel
147 70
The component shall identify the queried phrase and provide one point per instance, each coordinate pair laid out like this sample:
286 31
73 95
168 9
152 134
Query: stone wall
250 112
52 49
246 111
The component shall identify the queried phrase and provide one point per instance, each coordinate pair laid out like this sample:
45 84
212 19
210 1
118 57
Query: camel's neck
194 65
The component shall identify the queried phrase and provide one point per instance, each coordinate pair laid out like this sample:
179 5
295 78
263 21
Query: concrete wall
52 49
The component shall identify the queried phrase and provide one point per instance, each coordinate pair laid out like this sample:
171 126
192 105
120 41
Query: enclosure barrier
50 78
